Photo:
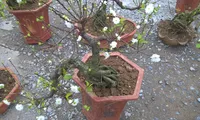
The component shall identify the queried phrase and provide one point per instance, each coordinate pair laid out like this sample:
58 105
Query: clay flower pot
12 94
166 33
125 39
107 108
34 28
183 5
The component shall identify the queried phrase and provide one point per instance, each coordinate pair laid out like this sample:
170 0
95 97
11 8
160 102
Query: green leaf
87 83
142 41
40 43
42 18
89 89
28 34
198 45
67 77
87 108
143 6
64 71
139 37
60 44
68 95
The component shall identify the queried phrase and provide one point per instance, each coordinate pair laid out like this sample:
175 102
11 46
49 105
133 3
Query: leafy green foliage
87 108
141 39
69 94
66 75
88 86
198 45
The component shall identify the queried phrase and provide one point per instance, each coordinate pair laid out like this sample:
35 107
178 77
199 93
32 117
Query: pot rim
33 10
123 36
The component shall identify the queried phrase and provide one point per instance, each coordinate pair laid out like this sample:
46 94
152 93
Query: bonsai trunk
100 17
94 72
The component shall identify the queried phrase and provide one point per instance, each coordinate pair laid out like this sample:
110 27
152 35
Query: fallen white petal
19 107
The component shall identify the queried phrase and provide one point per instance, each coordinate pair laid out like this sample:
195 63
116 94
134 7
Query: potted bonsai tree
101 24
9 88
178 30
106 83
32 16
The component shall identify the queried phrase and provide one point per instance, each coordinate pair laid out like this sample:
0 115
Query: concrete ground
170 88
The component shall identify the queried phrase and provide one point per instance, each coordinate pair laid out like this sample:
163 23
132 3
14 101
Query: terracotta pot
107 108
183 5
38 30
13 93
126 38
168 37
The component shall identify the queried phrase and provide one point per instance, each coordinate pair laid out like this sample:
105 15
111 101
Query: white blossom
155 58
19 107
74 89
149 9
6 102
19 1
79 38
40 117
104 2
138 26
50 62
22 92
118 38
134 40
116 20
107 55
112 12
2 86
75 102
105 29
113 44
68 24
58 101
70 101
116 34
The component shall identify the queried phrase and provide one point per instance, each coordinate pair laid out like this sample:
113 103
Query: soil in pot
127 78
31 4
91 28
8 81
172 35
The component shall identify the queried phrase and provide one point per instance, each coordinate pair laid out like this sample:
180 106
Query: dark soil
127 78
9 82
30 5
109 23
173 35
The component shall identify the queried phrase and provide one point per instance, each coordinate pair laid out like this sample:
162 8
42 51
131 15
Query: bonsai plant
98 24
32 16
94 74
178 31
9 88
